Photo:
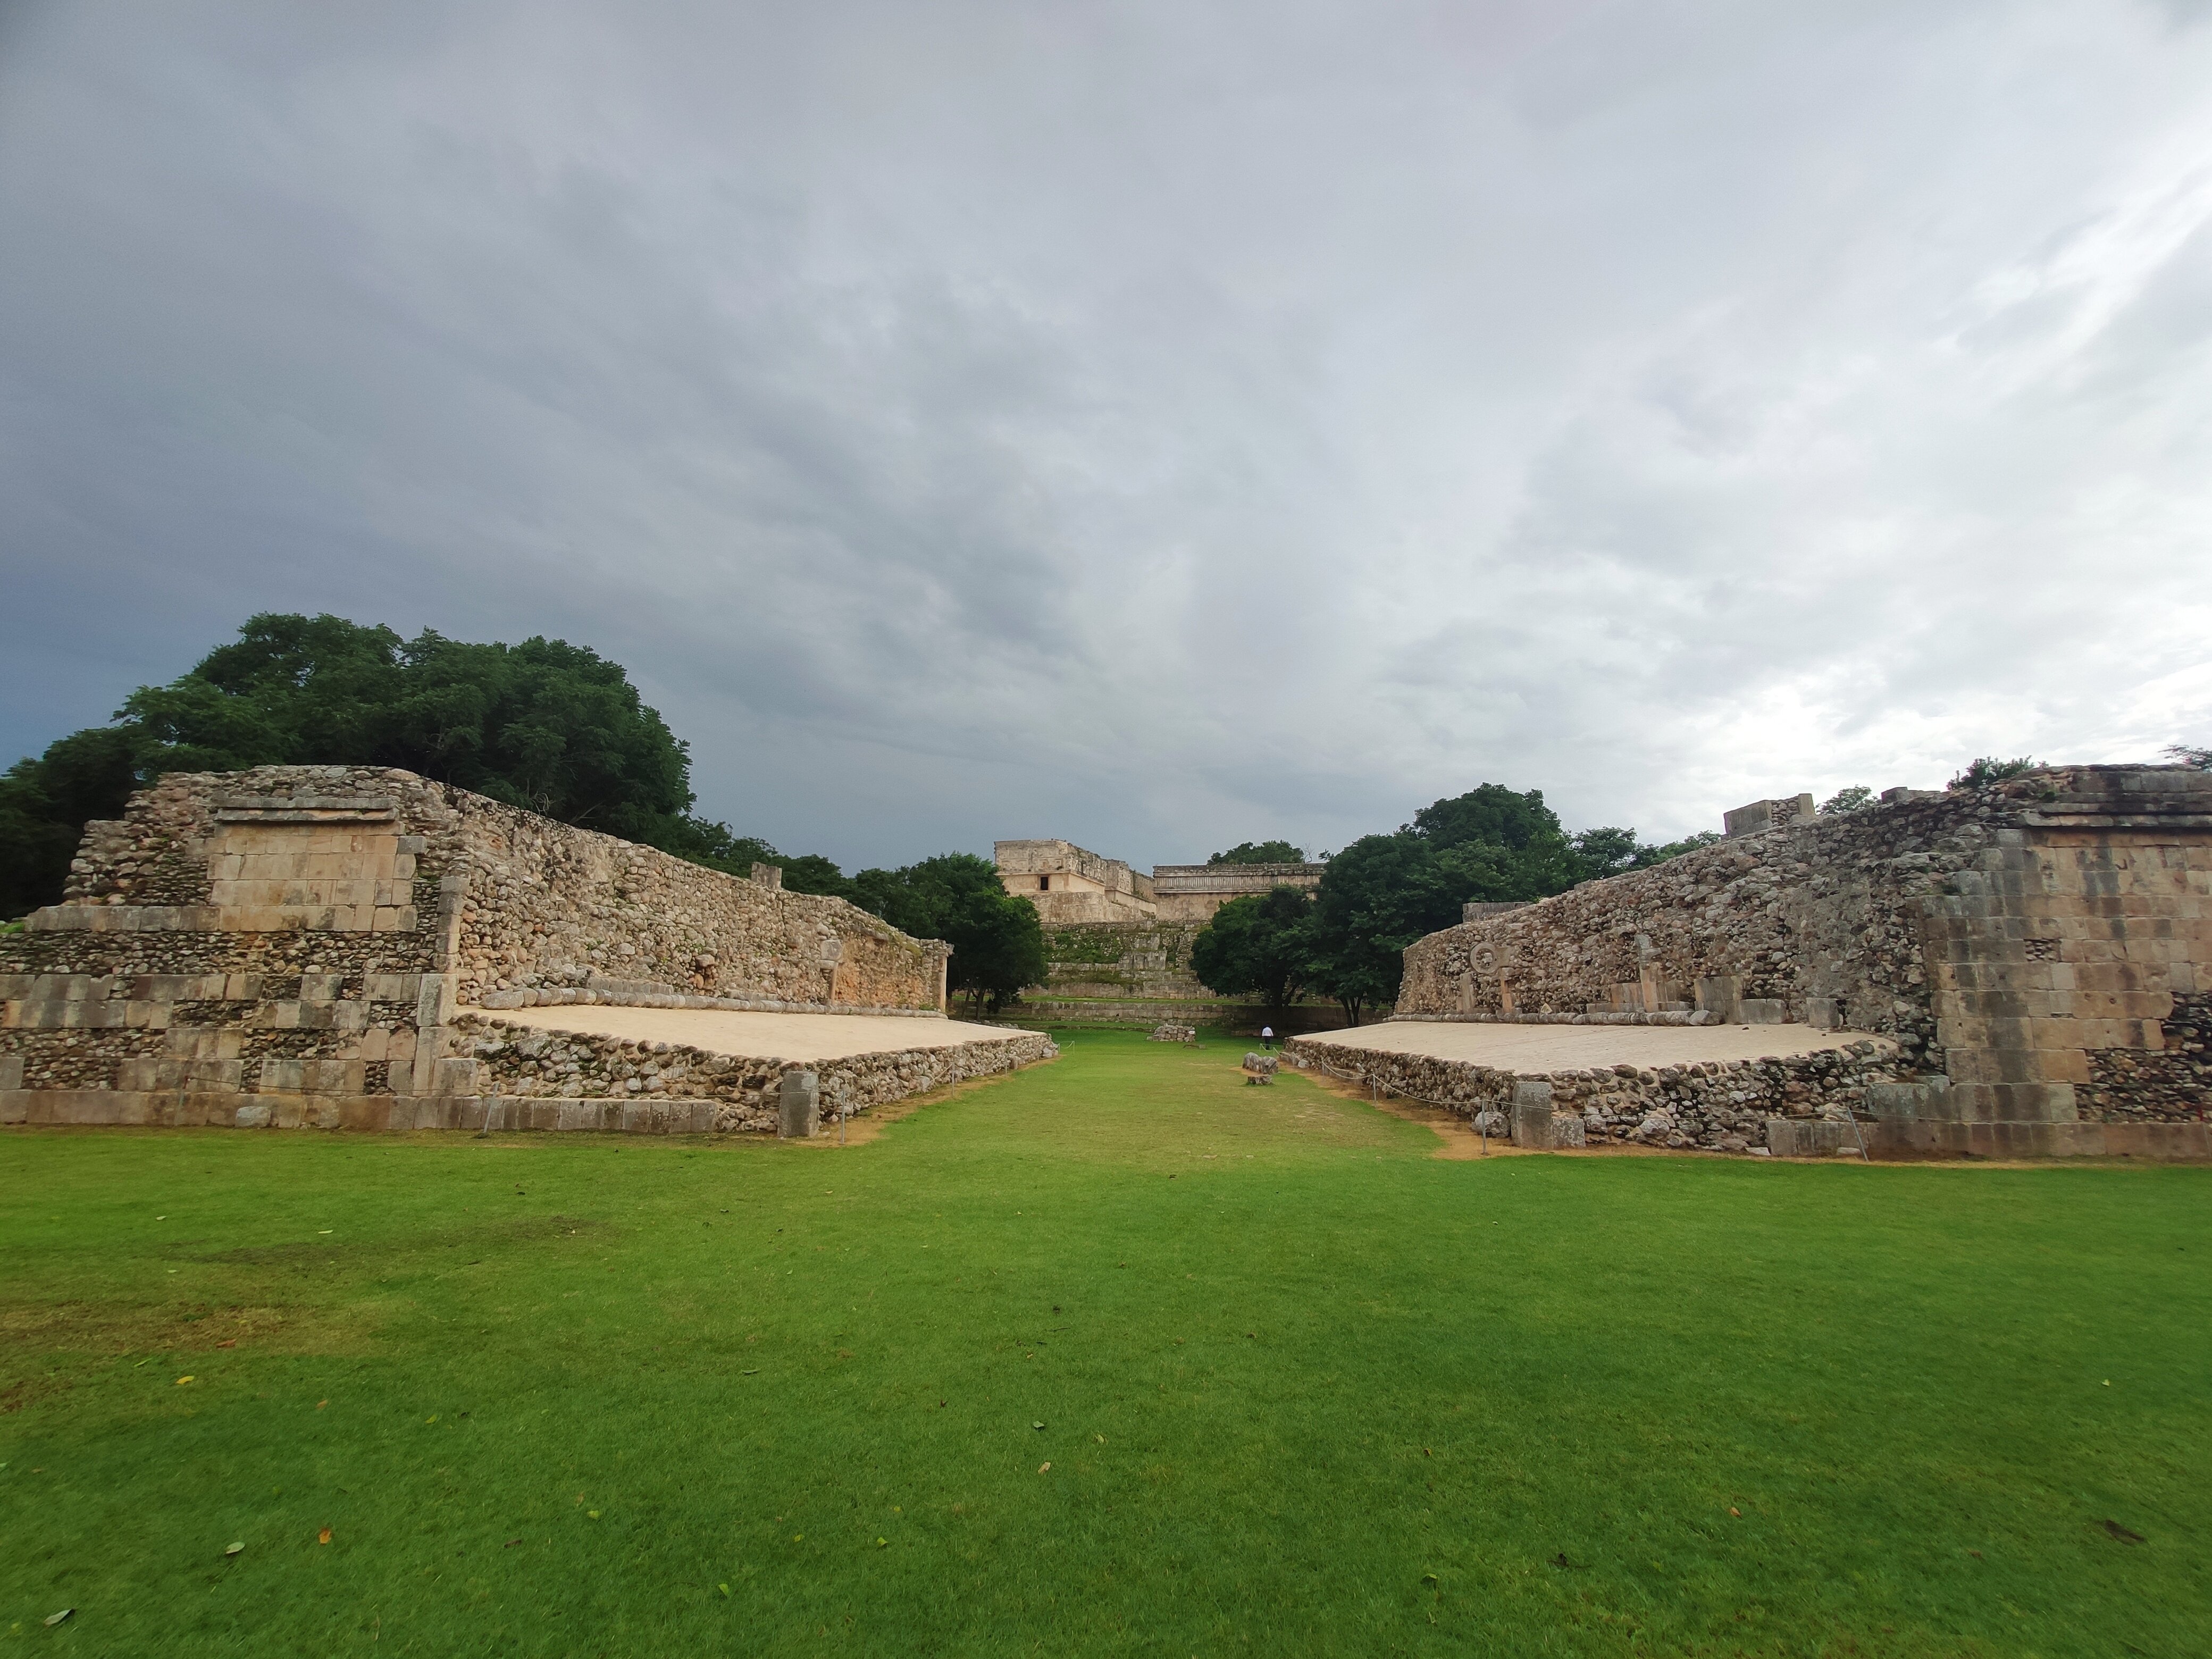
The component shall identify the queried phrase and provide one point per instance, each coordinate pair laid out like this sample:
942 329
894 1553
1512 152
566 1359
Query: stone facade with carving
1193 892
303 941
2038 951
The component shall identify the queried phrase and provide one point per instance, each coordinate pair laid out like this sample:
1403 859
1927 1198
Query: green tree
1381 893
544 725
2180 754
1990 769
1257 944
1260 852
1847 800
1500 843
1608 852
44 804
997 939
1675 849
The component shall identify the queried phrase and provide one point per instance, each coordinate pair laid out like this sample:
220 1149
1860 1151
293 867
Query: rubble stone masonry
291 941
2039 951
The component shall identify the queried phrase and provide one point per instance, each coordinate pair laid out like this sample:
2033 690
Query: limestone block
1762 1011
334 1077
11 1072
454 1076
2014 1103
799 1105
321 988
2011 1065
393 987
83 1016
253 1116
1789 1137
1762 815
1533 1115
1720 995
204 1042
1929 1099
282 1076
138 1073
402 1076
242 987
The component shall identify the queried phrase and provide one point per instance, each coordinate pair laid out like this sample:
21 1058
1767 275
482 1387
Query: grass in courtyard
1114 1355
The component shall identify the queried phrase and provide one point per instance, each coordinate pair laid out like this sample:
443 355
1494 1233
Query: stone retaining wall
316 932
1712 1105
527 1084
2044 944
526 1063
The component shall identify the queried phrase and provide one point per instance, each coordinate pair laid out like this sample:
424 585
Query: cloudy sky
1154 424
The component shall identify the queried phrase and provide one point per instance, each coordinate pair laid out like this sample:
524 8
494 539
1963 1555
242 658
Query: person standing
1267 1038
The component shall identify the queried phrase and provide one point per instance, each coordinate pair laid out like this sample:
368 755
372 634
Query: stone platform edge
855 1082
502 1001
1824 1103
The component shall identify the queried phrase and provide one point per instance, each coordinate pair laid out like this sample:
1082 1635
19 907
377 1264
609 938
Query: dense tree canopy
544 725
997 940
1260 852
44 804
547 725
1494 844
1256 945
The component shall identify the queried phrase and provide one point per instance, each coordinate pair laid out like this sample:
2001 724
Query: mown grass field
1302 1387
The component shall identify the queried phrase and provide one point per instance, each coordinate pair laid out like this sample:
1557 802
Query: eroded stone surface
304 946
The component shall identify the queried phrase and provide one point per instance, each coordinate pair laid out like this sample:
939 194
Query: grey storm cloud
1152 424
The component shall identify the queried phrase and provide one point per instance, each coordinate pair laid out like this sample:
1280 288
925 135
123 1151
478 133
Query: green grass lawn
1301 1386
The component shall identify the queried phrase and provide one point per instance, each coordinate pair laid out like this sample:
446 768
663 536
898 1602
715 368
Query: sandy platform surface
757 1037
1578 1048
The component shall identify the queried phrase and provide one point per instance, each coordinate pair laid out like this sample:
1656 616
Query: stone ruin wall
537 1078
2040 951
1138 959
1722 1106
316 931
552 908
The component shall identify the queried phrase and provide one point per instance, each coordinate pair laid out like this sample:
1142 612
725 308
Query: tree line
1346 938
559 730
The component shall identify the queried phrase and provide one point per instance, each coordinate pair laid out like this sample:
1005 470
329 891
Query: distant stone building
1067 883
1118 941
1193 892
